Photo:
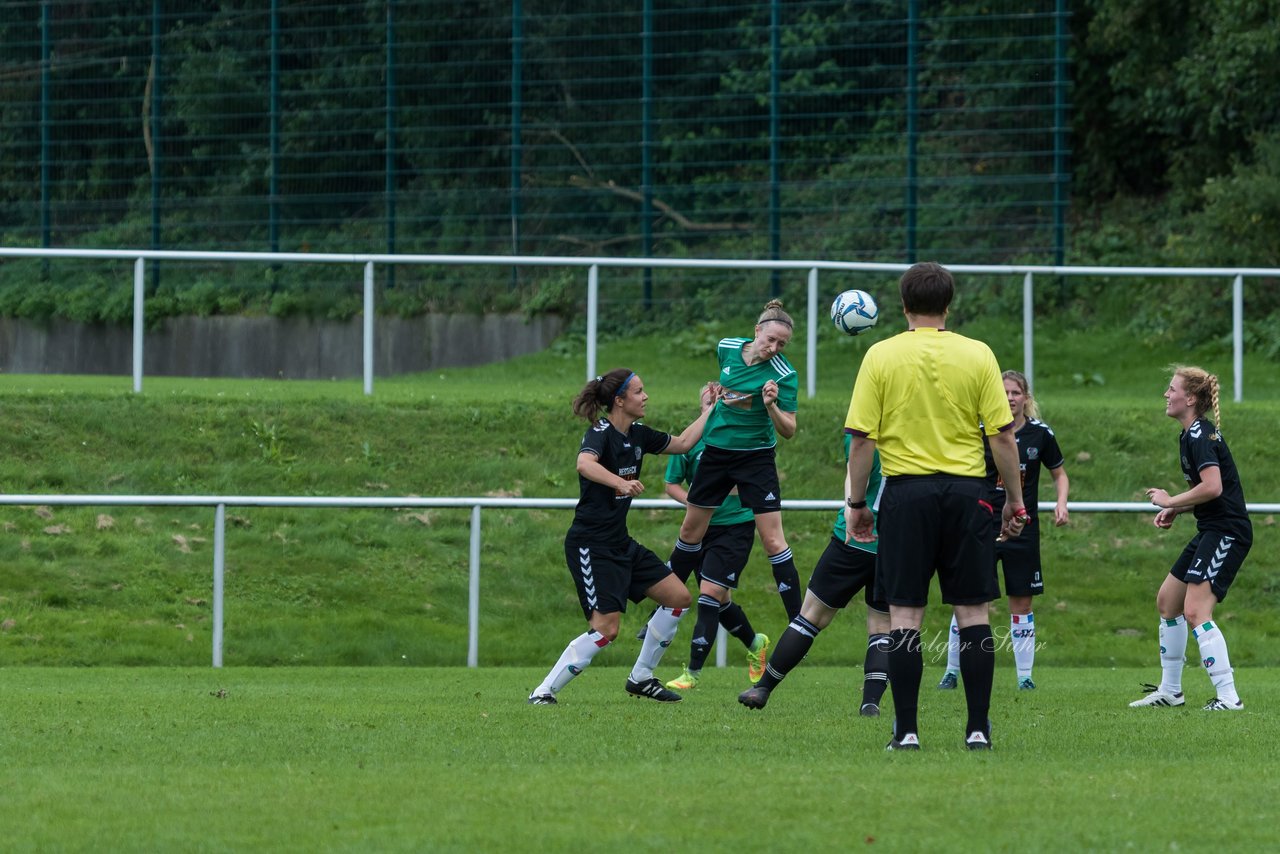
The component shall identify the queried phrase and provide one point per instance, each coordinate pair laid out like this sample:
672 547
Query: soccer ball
854 312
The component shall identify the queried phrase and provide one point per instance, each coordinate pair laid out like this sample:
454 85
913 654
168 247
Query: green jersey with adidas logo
740 421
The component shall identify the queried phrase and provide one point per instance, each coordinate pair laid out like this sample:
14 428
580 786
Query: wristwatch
855 505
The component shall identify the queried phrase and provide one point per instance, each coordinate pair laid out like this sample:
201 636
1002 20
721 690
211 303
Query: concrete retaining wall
270 347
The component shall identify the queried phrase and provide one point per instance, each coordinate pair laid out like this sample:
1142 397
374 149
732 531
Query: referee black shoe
654 690
909 741
979 739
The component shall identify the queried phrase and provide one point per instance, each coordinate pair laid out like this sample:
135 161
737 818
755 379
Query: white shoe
1217 704
1156 697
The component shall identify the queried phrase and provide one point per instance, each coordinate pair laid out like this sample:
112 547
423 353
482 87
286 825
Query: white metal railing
593 265
221 502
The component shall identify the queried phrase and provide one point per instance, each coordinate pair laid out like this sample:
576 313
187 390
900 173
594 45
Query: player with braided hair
1203 573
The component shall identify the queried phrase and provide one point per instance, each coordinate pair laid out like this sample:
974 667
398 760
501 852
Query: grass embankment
383 587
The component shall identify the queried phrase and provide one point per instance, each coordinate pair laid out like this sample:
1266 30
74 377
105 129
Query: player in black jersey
608 566
1020 556
1203 573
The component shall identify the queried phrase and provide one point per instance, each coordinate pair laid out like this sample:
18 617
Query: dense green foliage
430 759
1174 152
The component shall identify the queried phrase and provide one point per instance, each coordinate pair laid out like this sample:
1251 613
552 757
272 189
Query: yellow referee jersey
922 395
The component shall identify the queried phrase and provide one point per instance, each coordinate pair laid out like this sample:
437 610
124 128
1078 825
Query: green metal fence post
913 51
517 118
646 147
389 145
775 148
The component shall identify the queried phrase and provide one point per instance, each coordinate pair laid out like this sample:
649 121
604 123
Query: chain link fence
824 130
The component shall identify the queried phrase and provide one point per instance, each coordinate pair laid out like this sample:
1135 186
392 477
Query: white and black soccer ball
854 312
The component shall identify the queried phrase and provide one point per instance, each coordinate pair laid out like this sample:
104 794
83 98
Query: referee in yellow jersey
924 398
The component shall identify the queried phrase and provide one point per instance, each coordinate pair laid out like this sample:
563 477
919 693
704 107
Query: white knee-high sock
1173 650
1022 632
1213 654
575 658
953 647
661 629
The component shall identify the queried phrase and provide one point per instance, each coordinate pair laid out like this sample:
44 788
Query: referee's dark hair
927 288
597 395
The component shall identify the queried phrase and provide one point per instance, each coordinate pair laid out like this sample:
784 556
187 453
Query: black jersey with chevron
601 515
1200 446
1037 447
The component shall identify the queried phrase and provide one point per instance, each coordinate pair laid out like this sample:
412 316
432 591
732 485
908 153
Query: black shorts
1020 558
841 572
936 523
725 550
1214 557
755 473
607 576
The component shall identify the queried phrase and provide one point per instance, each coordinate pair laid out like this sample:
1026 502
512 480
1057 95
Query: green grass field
376 759
383 743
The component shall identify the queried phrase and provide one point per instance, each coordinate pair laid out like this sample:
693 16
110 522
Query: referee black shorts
936 523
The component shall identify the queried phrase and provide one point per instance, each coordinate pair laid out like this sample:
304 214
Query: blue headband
622 389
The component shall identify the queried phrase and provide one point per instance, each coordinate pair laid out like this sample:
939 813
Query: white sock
575 658
1173 650
1022 631
662 628
953 647
1213 654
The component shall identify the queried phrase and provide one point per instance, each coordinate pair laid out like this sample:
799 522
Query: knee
609 633
774 543
681 599
1196 616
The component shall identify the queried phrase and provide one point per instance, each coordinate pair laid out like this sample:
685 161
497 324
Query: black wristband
855 505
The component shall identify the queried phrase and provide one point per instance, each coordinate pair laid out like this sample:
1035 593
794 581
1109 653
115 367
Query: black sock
977 670
875 669
791 649
906 666
704 632
735 622
685 558
788 581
